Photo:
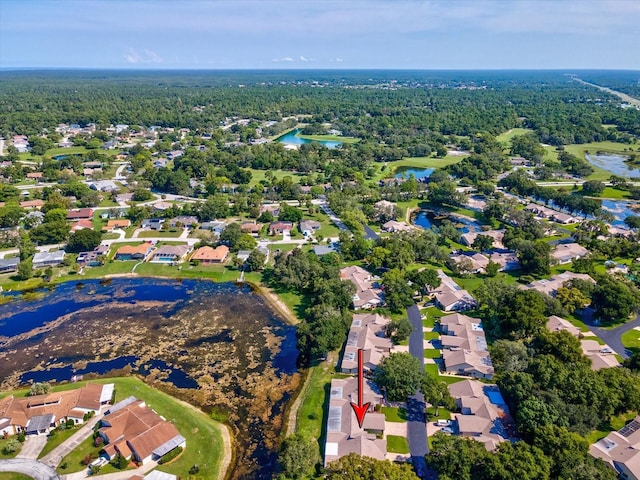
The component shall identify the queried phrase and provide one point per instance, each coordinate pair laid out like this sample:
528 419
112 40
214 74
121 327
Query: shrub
121 463
70 423
194 469
98 441
12 446
170 456
21 437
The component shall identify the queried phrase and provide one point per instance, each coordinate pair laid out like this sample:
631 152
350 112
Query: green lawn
616 423
6 455
13 476
443 414
172 233
610 147
56 439
432 353
431 335
258 175
204 441
614 193
631 340
397 444
389 169
508 135
394 414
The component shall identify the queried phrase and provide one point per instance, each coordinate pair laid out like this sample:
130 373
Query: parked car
447 430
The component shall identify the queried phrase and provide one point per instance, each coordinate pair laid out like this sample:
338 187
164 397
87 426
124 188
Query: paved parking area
32 446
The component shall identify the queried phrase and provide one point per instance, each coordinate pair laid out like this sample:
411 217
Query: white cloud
283 59
147 56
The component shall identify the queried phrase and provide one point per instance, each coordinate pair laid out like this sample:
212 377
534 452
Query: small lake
292 138
216 345
619 209
405 172
428 219
614 164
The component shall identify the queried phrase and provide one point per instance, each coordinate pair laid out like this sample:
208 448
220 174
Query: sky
320 34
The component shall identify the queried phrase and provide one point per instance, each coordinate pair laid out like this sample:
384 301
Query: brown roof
217 254
32 203
89 396
142 249
145 443
79 213
34 175
119 222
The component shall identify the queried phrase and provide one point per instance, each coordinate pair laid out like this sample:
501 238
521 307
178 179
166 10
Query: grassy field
615 424
171 233
389 169
259 175
614 193
52 152
204 441
631 340
508 135
13 476
56 439
397 444
394 414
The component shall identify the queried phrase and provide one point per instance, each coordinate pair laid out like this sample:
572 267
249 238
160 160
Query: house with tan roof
116 223
477 261
209 256
567 252
621 450
450 296
368 292
32 204
464 346
134 252
601 356
135 431
40 413
497 236
81 225
552 284
170 254
344 435
484 415
367 332
252 228
80 214
393 226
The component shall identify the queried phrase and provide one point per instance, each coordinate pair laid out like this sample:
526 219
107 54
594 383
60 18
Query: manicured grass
329 138
432 369
610 147
616 423
56 439
431 335
432 353
631 340
394 414
6 455
397 444
443 414
160 234
258 175
614 193
508 135
13 476
204 441
390 168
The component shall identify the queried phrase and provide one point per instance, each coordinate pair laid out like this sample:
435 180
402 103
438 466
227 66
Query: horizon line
302 69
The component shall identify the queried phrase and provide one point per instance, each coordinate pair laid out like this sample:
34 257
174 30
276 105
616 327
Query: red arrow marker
360 409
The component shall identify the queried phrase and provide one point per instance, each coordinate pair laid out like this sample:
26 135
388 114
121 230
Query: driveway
32 446
54 458
613 337
36 470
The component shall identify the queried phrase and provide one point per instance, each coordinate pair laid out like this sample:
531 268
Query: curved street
613 336
32 468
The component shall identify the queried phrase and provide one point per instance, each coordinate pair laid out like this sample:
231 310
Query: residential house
484 414
308 227
82 225
48 259
507 260
552 284
344 435
464 346
279 228
104 186
115 224
251 228
93 257
187 221
152 223
9 265
209 256
170 253
477 261
544 212
497 236
367 333
621 450
80 214
519 162
368 292
161 206
134 252
601 356
40 413
216 227
37 176
392 226
32 204
449 296
135 431
567 252
174 154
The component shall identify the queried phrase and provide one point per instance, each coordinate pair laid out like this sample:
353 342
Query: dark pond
427 219
405 172
219 344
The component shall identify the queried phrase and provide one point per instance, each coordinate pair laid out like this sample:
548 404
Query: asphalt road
613 337
369 234
416 425
36 470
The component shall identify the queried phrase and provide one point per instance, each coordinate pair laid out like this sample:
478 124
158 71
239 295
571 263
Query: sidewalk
54 458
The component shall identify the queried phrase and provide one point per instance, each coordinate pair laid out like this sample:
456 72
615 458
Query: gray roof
121 404
168 446
9 262
158 475
40 257
40 422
